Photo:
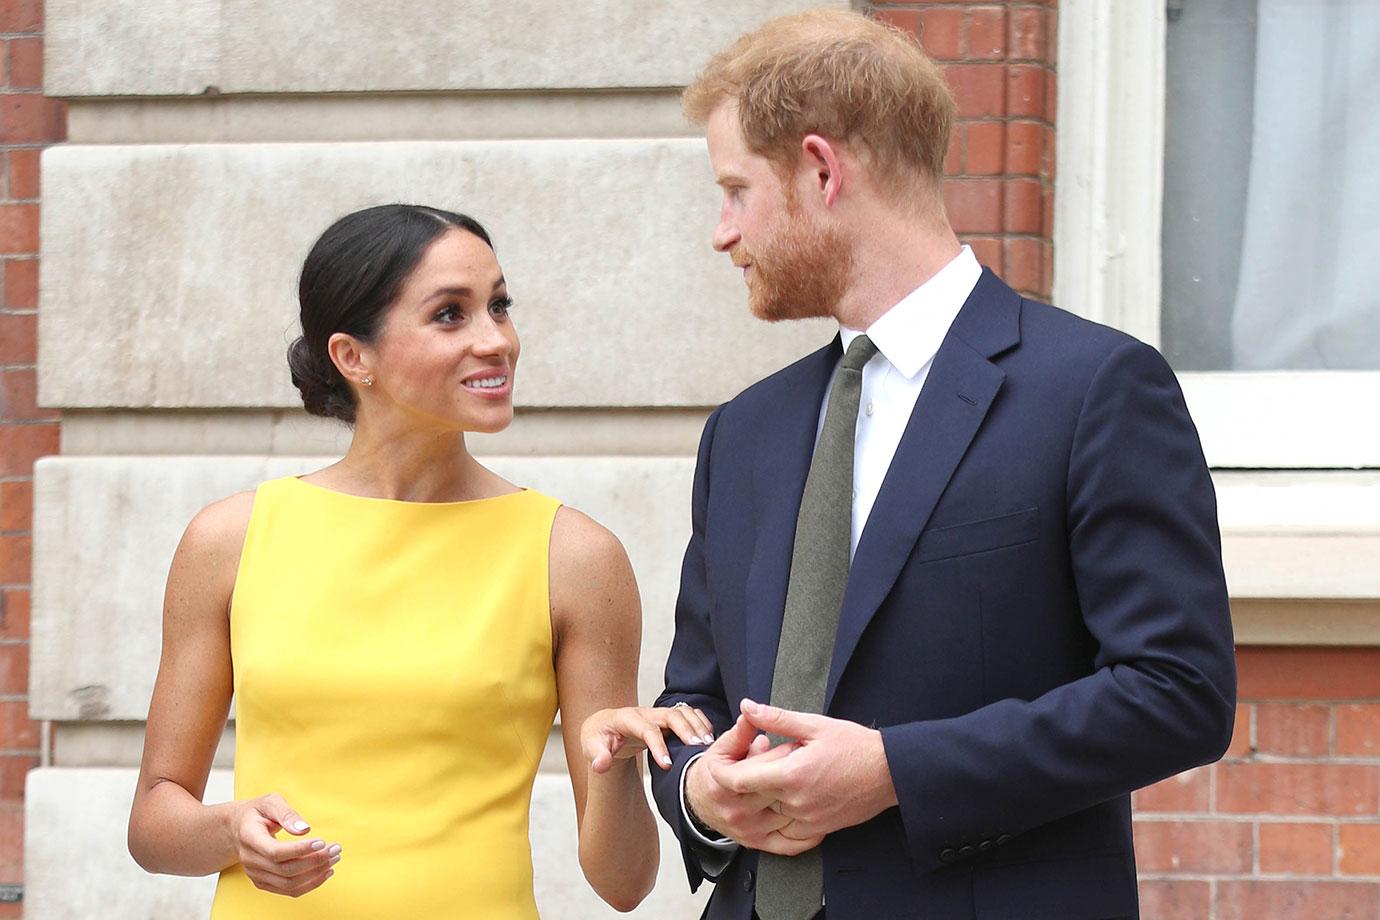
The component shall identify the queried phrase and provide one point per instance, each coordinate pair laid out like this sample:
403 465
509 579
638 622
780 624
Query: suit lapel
785 447
959 390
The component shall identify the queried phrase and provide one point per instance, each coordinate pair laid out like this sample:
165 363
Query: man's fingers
762 775
784 722
781 845
734 743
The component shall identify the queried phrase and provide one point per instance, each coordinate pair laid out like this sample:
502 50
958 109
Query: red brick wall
28 122
1288 824
999 59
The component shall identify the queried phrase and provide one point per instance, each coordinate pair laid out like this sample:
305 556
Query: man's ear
826 166
348 356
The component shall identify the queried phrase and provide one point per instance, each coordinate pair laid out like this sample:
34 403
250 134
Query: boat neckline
404 502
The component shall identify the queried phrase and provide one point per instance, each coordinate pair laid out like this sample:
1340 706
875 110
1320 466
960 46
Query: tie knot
859 353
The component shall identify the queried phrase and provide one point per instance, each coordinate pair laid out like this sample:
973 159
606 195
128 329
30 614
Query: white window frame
1107 217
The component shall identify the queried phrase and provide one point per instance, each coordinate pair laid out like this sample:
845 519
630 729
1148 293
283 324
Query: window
1217 196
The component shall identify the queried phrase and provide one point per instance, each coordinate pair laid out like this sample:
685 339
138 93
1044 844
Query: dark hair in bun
353 272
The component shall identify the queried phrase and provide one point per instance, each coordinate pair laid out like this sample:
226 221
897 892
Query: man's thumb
777 721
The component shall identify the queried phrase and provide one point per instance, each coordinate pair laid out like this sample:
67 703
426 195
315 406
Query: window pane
1271 193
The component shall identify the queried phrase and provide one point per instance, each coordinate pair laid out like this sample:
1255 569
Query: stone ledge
191 47
105 529
78 817
161 290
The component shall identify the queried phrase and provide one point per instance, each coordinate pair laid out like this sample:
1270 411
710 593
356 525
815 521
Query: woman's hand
287 867
614 734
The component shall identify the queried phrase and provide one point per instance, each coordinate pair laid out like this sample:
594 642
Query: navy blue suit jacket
1036 617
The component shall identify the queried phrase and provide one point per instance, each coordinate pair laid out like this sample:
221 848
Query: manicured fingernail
300 826
666 761
334 859
317 844
706 739
334 850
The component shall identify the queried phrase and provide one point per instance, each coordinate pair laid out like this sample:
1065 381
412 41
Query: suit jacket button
966 851
747 880
1003 840
947 855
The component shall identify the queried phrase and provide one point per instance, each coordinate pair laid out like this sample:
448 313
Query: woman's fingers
276 808
656 745
681 721
317 861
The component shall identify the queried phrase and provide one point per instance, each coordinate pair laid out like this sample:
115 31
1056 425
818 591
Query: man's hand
747 817
834 775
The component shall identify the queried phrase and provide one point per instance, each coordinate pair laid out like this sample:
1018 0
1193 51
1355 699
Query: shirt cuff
721 850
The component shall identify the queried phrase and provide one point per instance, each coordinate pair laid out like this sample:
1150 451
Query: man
967 552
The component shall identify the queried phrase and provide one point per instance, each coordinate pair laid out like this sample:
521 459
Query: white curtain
1309 291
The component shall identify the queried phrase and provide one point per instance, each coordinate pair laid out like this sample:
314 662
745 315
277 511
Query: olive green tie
792 887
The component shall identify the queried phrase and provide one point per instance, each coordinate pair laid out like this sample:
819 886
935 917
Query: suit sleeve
692 674
1146 557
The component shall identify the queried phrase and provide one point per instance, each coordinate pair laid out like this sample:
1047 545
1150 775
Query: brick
14 614
988 252
1022 204
21 445
1051 96
1242 744
16 558
18 228
1026 34
1047 155
17 731
1297 789
1186 792
987 33
1024 147
12 911
21 284
1296 849
18 339
1047 212
14 669
18 396
1022 267
1358 730
21 15
16 506
1193 847
941 34
23 171
1293 730
978 89
1174 899
1293 900
26 63
1359 849
29 118
953 157
1046 270
13 769
1025 91
974 205
907 21
984 154
11 834
1307 673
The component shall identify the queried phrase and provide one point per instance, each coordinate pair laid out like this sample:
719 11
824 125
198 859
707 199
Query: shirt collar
910 333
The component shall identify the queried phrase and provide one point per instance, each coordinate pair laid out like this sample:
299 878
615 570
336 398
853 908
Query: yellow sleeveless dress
393 682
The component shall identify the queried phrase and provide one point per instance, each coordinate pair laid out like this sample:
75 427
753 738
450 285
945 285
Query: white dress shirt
907 337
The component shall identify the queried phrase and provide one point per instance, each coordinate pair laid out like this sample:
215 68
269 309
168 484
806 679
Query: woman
399 628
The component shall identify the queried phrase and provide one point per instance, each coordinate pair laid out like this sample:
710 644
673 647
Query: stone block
168 47
83 815
169 272
105 529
